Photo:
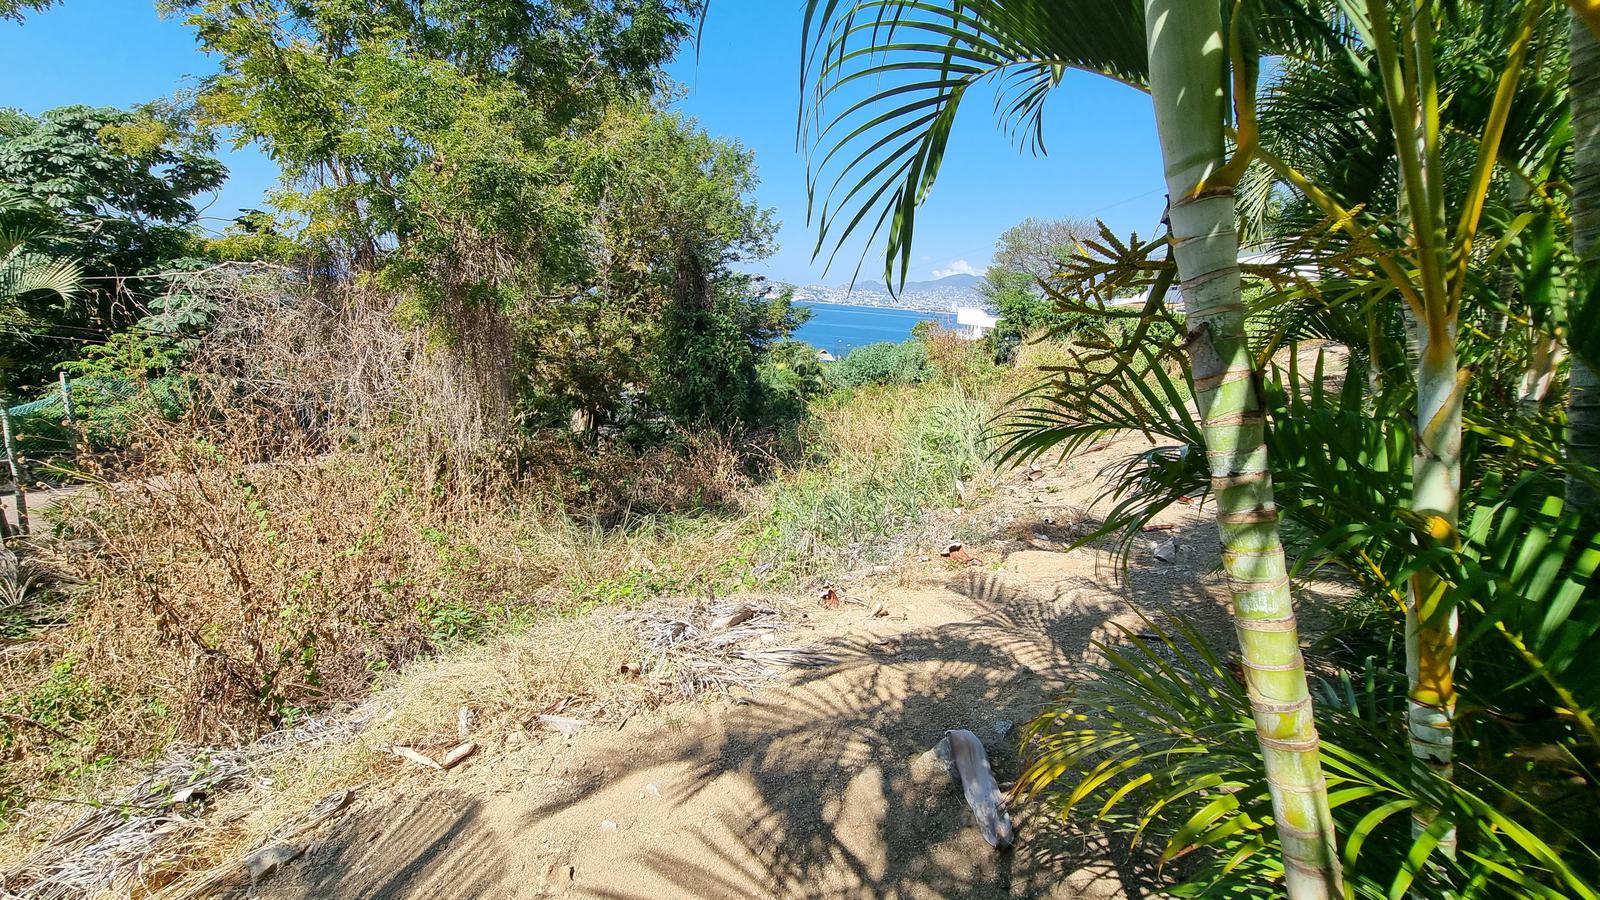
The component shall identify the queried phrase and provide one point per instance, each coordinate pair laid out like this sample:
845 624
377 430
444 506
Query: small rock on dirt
739 616
264 862
608 825
1167 551
936 768
955 551
562 724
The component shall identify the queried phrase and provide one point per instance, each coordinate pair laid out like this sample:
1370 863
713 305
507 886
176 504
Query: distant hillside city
940 295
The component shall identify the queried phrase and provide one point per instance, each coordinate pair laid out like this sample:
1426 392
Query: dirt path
804 789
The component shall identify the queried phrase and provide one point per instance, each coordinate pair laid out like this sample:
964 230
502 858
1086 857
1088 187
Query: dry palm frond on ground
718 646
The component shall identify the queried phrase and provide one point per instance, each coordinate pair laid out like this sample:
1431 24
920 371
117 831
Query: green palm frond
897 71
29 273
1159 744
884 80
1527 573
24 270
1341 472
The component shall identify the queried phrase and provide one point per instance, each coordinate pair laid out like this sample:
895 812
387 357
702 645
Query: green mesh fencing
104 408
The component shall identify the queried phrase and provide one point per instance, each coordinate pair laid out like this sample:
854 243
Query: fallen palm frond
115 846
718 646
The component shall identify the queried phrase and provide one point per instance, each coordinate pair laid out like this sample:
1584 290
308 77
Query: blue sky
742 85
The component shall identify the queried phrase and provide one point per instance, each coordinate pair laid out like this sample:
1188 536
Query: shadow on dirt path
804 789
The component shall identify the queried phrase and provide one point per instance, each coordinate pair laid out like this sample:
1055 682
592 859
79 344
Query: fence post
71 416
66 402
18 479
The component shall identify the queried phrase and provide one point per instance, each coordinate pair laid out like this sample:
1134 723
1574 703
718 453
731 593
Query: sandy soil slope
804 789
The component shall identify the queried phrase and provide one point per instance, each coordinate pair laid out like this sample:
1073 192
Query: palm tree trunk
1184 40
1431 624
1583 406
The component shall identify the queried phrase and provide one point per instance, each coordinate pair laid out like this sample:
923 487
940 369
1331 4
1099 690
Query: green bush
1023 312
883 363
729 362
867 506
706 369
790 377
105 408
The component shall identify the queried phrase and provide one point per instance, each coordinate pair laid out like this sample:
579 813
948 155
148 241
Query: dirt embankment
805 789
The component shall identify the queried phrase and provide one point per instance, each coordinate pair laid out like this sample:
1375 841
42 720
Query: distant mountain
941 294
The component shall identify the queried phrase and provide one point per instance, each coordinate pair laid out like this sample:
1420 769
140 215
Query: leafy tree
1022 310
252 236
500 166
353 100
1026 256
1038 248
32 283
121 186
660 216
707 365
15 9
127 177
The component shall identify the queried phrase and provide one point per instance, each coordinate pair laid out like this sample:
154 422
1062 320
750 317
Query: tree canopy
114 190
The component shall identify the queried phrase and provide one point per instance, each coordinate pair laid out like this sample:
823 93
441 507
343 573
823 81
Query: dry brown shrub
615 486
232 595
236 594
334 504
954 356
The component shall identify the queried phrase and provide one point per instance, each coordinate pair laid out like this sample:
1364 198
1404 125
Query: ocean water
838 328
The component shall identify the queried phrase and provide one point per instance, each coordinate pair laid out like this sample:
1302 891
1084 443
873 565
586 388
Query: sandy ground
804 789
38 501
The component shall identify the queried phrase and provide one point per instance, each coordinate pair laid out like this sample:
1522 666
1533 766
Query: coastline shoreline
950 311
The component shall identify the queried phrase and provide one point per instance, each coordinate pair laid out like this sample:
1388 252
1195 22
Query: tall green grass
870 503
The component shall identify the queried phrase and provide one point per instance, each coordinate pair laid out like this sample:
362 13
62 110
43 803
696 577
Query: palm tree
1436 252
24 271
925 57
1403 155
1583 404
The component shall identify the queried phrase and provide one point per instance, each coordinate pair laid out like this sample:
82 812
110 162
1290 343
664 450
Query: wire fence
74 416
95 411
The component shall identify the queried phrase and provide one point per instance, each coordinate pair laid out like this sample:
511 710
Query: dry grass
318 520
225 599
151 841
871 421
155 840
309 547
